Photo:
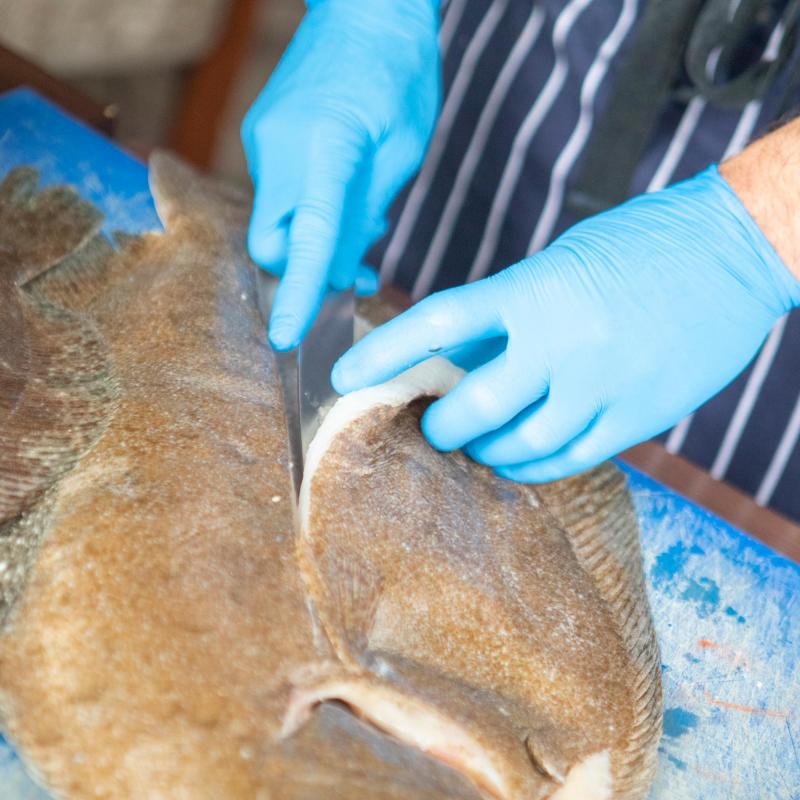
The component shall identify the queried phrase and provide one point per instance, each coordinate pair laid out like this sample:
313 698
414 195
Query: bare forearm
766 177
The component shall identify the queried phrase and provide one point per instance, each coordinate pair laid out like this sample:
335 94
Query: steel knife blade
305 373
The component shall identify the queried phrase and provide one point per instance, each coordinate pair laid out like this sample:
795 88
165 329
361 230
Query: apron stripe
781 457
519 150
450 109
744 130
451 17
677 147
748 399
580 134
784 496
677 436
771 413
741 136
475 152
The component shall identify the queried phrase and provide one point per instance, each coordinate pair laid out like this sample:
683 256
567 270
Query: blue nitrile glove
340 127
627 322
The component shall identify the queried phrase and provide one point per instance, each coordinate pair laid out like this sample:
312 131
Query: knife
305 373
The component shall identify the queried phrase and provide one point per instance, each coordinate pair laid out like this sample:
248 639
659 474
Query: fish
174 623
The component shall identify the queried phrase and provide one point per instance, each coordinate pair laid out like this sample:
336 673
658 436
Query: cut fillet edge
433 377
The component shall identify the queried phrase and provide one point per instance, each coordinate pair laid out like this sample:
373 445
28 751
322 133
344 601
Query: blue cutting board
726 608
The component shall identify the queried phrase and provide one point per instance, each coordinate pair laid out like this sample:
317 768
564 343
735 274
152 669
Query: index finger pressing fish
173 626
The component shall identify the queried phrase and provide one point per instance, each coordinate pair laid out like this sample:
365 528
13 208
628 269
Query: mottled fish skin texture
56 389
170 629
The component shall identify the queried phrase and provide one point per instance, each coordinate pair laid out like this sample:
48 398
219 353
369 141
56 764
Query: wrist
755 258
765 178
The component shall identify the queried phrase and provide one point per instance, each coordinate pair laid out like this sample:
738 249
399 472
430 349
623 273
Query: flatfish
174 625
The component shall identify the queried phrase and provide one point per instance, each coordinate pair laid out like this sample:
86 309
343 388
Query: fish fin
39 229
180 191
56 393
56 397
19 186
78 279
20 539
56 389
596 512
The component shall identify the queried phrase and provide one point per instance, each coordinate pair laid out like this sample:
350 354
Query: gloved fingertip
276 268
438 437
516 472
542 471
367 281
284 333
339 379
345 377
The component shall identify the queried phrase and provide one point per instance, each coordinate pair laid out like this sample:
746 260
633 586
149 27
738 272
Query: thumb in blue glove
339 128
623 325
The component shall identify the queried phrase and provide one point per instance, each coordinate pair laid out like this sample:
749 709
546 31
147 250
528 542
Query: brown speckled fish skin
56 391
155 636
163 613
520 614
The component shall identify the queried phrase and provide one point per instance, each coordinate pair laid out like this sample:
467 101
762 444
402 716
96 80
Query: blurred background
179 73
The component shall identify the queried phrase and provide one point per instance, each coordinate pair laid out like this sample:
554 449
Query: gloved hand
340 127
627 322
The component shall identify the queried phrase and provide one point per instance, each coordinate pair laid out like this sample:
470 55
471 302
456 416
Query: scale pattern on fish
172 626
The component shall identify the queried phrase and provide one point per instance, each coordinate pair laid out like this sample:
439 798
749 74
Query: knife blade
305 373
329 336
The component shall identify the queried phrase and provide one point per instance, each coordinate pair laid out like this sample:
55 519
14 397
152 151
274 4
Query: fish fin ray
56 398
597 503
78 279
56 388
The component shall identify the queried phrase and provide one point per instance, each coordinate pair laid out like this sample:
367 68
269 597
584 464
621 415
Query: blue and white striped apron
525 81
